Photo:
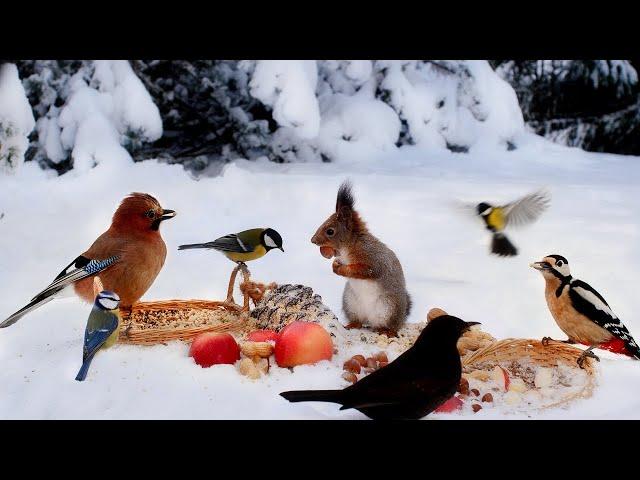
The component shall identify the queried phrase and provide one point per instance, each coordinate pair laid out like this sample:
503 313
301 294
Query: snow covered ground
406 198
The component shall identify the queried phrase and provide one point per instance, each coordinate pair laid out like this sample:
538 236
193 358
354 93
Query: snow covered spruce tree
214 111
88 112
592 104
16 119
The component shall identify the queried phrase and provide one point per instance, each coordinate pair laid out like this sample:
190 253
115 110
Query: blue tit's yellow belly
496 219
258 252
113 338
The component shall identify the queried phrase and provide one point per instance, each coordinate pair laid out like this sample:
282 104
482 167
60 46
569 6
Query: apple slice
451 405
500 377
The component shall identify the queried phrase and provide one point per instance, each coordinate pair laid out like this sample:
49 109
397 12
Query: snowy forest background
74 114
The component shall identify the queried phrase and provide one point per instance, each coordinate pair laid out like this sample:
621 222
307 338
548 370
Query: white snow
405 197
16 119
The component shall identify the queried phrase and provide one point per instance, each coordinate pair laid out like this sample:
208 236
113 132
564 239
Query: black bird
410 387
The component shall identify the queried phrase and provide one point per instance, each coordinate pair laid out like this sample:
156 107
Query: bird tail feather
84 369
500 245
32 305
193 245
332 396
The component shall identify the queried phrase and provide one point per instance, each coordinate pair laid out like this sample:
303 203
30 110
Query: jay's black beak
281 248
167 214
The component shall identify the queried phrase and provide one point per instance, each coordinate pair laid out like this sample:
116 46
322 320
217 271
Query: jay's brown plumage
127 257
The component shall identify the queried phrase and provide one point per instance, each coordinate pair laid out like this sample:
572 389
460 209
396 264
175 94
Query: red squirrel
375 293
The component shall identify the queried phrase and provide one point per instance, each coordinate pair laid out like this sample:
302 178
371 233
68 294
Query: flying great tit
243 246
102 329
514 214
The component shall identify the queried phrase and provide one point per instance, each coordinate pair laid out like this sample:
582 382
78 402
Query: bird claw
584 355
387 331
352 325
546 340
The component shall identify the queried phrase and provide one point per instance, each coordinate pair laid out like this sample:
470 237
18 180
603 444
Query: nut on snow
248 369
257 349
435 313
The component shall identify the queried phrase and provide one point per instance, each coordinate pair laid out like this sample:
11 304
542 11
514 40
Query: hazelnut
382 364
487 397
475 392
372 363
351 366
463 387
360 359
350 377
381 357
476 407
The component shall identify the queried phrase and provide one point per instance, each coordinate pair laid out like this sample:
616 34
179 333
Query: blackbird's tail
333 396
500 245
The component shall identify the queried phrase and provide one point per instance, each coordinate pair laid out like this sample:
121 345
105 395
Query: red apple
263 336
451 405
211 348
301 343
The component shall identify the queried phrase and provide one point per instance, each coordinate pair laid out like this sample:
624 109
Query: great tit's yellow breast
258 252
496 218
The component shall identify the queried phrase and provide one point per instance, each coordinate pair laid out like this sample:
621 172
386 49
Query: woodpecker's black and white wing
527 209
82 267
587 301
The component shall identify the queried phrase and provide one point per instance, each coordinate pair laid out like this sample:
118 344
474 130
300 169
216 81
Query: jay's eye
150 214
330 232
559 263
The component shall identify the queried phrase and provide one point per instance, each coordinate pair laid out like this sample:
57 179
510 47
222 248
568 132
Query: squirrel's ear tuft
345 197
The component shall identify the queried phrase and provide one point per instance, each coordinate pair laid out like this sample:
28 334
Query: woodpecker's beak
167 214
540 265
471 324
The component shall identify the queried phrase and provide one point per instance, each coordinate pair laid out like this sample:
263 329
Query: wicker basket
509 350
149 323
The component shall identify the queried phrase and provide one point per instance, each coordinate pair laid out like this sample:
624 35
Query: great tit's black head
271 239
107 300
444 328
553 265
484 209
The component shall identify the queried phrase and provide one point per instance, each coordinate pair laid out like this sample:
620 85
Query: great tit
102 329
519 212
243 246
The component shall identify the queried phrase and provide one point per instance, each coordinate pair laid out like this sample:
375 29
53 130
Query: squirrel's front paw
336 267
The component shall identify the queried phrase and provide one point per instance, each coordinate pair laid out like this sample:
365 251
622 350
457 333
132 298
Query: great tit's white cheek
268 241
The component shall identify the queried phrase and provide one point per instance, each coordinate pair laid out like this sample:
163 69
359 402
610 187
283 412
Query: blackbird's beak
540 265
471 324
167 214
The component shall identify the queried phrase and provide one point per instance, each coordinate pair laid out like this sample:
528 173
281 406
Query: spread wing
527 209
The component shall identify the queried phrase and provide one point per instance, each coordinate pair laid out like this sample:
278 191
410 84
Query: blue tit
102 329
243 246
519 212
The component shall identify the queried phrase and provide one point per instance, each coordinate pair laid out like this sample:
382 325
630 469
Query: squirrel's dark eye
330 232
150 214
559 263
